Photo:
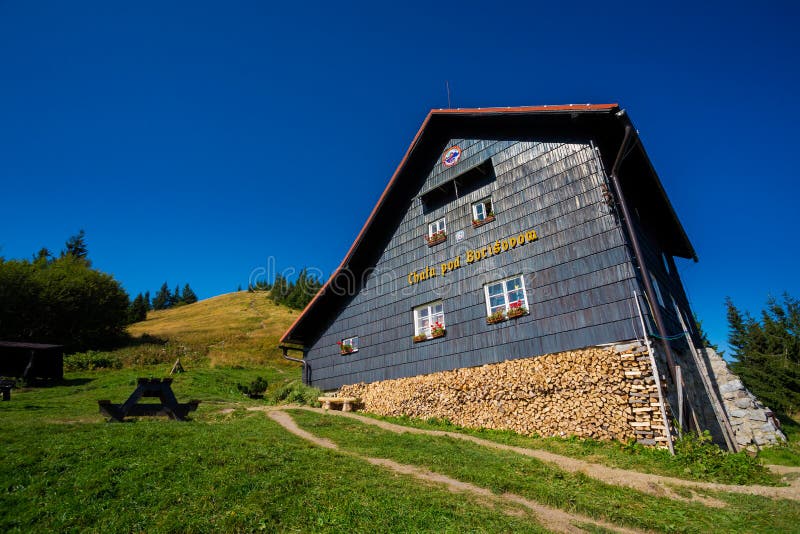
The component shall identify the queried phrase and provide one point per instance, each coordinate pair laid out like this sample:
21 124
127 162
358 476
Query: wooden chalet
546 218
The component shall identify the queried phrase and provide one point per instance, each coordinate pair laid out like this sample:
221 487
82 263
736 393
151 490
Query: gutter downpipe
286 356
637 251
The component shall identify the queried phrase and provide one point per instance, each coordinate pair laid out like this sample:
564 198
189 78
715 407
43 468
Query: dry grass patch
239 328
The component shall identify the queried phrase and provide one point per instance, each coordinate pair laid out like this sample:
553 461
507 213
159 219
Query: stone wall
754 425
598 392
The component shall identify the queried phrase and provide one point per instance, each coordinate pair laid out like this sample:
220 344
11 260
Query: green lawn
788 453
510 472
693 462
65 469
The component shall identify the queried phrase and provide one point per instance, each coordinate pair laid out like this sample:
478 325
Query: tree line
292 293
767 352
163 299
61 299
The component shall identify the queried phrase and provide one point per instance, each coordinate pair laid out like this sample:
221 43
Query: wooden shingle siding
578 275
669 284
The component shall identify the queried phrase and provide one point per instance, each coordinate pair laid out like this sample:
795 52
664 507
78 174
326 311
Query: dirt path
552 518
652 484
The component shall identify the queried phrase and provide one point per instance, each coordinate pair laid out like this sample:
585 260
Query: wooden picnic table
149 387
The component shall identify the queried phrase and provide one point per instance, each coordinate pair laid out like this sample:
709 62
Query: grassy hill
233 329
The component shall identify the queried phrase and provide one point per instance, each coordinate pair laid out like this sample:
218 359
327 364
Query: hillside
239 328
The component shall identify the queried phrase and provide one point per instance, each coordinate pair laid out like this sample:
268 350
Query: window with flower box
429 321
482 212
505 299
437 232
348 345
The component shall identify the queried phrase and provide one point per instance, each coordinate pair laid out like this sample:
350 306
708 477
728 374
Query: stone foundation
600 392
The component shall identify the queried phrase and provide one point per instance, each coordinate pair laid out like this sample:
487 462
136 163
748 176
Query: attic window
461 185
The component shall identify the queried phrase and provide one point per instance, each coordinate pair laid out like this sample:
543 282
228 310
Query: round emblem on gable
451 156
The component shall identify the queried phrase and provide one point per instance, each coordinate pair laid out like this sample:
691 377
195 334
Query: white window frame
431 314
476 216
352 341
505 294
439 225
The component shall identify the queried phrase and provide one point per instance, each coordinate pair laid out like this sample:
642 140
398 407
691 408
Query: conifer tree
43 257
767 352
188 296
76 247
162 299
147 302
175 297
296 294
138 310
280 288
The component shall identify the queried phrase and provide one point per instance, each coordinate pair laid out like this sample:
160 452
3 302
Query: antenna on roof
447 86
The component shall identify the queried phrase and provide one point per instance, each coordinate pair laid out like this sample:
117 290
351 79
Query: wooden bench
345 402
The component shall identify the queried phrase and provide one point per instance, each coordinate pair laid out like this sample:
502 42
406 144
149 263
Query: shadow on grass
73 382
144 339
22 383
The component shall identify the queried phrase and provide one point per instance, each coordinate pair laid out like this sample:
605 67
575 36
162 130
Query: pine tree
188 296
768 352
162 299
296 294
704 336
76 247
175 297
147 302
280 288
138 310
43 257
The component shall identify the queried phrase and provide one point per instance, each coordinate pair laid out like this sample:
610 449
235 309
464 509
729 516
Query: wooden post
679 383
705 376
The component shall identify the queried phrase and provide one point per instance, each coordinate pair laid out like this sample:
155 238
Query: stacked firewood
599 392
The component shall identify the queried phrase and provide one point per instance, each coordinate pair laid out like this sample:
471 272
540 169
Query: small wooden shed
31 360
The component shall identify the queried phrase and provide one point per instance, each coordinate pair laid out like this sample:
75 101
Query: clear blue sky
193 140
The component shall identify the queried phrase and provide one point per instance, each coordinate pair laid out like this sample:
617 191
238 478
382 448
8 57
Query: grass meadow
230 469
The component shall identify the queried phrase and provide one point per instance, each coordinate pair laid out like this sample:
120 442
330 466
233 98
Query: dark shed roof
602 123
25 345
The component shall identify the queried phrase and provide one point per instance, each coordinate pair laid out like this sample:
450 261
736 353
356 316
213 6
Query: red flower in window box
436 238
516 309
476 223
344 348
437 329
